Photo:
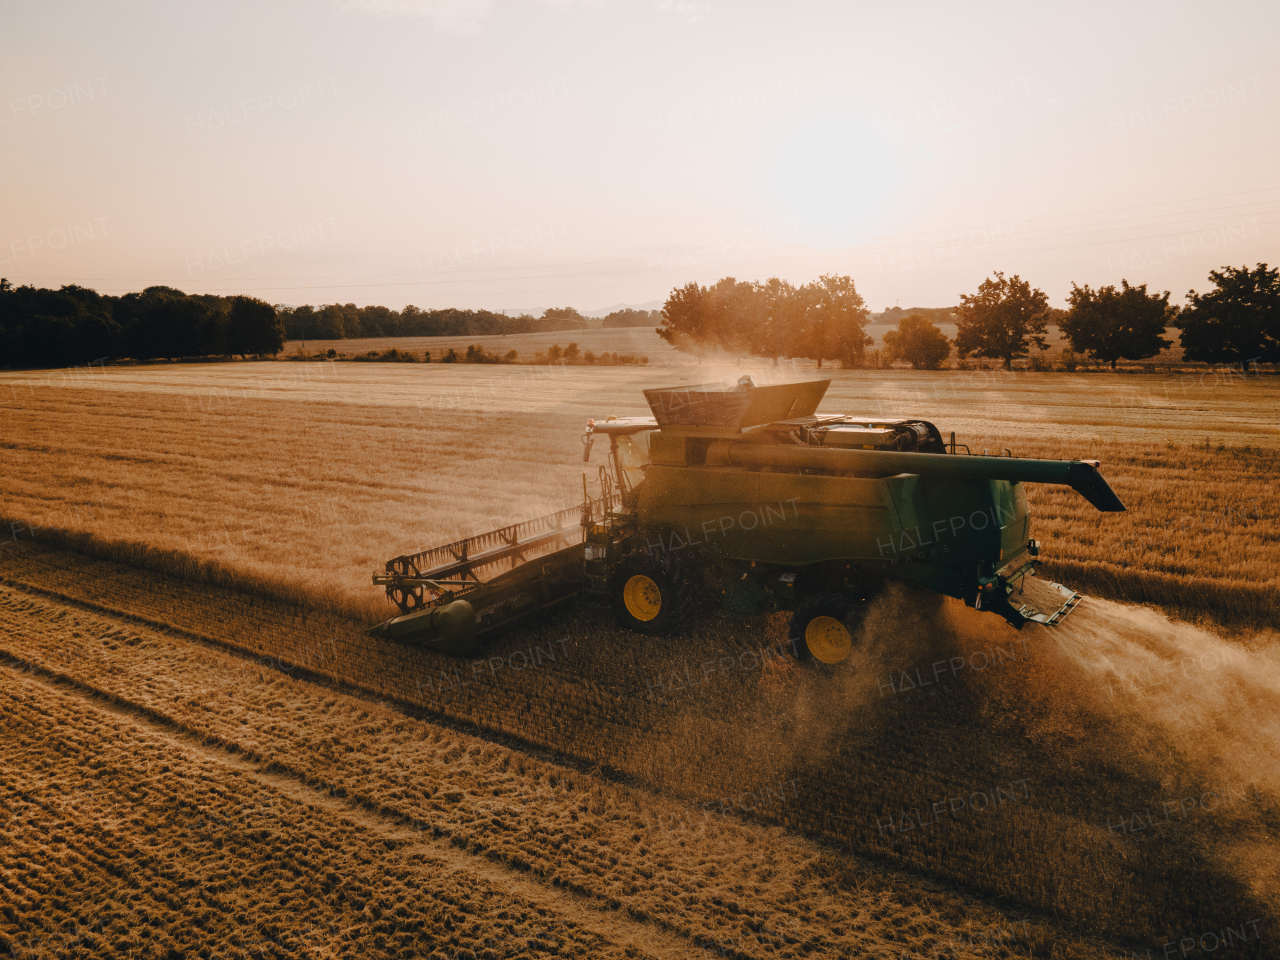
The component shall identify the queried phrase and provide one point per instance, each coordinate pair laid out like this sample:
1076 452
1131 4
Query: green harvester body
754 494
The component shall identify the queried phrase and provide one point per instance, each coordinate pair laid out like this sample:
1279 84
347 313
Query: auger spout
1081 475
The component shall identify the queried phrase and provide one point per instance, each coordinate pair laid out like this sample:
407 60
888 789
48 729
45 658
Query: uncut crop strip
717 883
860 766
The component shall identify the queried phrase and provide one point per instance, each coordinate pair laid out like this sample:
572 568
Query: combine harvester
746 492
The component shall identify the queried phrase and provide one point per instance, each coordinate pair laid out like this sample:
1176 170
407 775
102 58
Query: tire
824 628
649 595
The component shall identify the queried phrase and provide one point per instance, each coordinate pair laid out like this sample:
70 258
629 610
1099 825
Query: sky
516 155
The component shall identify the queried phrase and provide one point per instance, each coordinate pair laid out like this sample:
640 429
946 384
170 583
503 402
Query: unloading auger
746 493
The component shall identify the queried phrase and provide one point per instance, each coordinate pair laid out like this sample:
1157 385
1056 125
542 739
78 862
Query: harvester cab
745 492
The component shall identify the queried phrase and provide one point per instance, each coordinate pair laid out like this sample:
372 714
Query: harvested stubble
320 795
859 759
296 488
637 340
119 842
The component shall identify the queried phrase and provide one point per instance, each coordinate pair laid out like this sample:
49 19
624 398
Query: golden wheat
304 478
252 482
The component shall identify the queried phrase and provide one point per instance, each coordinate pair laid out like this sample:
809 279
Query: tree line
75 325
347 321
1236 321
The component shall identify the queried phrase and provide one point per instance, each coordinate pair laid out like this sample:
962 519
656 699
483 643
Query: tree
627 317
1113 325
379 321
562 318
729 314
835 321
1000 319
254 327
299 322
821 320
51 328
1237 322
330 323
683 316
164 322
918 341
781 311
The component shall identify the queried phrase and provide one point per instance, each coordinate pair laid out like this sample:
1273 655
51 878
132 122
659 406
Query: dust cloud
1172 699
1214 703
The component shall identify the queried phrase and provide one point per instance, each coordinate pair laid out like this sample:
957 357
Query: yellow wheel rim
642 597
828 639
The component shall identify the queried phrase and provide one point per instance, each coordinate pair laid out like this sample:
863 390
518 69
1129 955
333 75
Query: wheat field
642 342
639 341
305 478
185 587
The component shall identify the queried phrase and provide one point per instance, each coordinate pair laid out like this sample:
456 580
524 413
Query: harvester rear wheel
649 595
825 627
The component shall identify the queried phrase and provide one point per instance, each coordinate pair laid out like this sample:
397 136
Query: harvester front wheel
648 594
823 628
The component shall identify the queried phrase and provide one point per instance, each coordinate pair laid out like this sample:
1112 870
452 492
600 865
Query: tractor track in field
613 922
384 819
540 751
611 919
337 685
594 711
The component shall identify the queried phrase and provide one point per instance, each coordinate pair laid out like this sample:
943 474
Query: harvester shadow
953 746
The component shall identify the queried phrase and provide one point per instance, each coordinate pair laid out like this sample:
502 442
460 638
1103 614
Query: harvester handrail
464 565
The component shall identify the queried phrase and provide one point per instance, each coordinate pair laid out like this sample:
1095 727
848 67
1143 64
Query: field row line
421 714
613 922
461 835
345 687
